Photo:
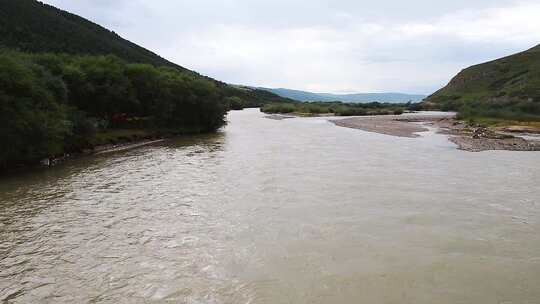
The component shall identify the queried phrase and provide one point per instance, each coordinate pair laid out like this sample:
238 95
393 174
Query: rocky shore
478 138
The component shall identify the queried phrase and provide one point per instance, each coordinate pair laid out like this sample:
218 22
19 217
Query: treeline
337 108
52 104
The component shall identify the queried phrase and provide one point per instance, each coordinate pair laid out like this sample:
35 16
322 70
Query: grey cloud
323 45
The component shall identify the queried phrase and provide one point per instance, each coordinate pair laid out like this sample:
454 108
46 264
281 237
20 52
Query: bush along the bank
52 104
514 108
336 108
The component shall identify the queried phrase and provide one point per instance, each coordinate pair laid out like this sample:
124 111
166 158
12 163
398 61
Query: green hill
32 26
507 88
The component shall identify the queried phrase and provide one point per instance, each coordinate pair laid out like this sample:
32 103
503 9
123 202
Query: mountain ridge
354 98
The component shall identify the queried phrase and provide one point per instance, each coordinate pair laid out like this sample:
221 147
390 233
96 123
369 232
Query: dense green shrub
50 104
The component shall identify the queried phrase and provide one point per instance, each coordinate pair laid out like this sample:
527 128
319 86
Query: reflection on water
293 211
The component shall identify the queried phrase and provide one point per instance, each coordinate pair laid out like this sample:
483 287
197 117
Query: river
266 211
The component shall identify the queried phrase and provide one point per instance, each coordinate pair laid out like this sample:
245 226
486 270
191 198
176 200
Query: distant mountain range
357 98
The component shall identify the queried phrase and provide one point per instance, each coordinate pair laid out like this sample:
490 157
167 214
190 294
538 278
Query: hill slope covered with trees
67 84
51 104
32 26
507 88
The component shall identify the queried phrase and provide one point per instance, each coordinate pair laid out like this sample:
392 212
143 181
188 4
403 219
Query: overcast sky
412 46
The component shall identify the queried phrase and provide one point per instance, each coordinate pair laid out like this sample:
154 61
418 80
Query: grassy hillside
354 98
31 26
507 88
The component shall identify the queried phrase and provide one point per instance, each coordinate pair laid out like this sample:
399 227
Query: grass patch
501 122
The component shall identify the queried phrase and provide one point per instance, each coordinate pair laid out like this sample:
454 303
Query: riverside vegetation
336 108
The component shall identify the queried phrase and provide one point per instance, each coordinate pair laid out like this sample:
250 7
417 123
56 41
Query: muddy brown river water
266 211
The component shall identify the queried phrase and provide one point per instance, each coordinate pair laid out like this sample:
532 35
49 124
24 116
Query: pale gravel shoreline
382 126
466 137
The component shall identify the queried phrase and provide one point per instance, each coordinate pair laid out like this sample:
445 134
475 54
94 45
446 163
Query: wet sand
382 125
405 125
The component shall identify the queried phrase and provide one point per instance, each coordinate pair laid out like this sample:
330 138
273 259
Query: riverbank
104 142
466 136
97 150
